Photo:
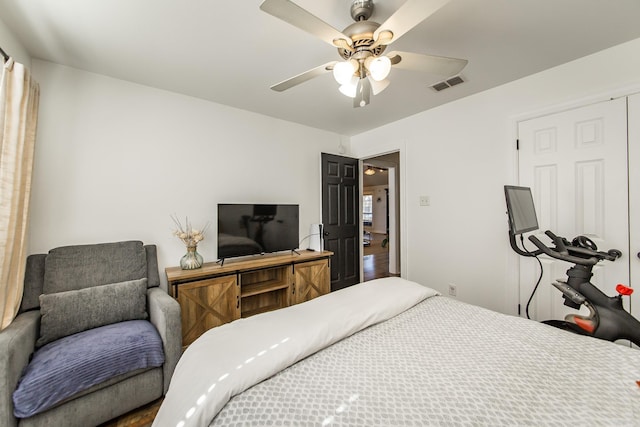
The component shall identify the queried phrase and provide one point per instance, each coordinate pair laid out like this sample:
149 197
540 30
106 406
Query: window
367 209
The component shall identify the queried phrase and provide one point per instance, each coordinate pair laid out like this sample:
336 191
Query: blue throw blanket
75 363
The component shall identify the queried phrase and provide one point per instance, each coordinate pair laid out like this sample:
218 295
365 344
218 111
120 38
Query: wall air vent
447 83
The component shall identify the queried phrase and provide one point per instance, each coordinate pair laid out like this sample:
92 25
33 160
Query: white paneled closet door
634 201
576 165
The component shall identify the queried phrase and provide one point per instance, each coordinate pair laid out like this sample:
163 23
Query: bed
393 352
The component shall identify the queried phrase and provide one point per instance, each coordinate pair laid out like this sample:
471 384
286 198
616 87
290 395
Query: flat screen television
521 210
250 229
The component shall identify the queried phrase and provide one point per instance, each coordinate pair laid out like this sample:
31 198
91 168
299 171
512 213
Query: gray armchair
99 306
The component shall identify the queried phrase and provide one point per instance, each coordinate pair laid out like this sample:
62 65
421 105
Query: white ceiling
231 52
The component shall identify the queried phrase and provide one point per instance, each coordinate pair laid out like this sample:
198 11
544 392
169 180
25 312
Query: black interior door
340 218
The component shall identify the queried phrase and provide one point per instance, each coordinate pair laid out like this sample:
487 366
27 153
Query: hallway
376 258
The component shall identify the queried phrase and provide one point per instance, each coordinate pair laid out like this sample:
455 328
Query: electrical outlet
453 290
425 201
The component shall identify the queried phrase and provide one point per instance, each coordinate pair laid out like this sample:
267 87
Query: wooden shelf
264 309
261 288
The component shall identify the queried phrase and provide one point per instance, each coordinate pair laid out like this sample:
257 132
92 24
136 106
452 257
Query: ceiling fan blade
410 14
303 77
301 18
440 65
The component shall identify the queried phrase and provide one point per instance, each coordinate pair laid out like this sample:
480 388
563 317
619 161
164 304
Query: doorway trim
398 207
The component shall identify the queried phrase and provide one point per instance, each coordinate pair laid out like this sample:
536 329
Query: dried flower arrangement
190 236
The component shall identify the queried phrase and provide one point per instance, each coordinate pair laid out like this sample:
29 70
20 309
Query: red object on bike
624 290
586 324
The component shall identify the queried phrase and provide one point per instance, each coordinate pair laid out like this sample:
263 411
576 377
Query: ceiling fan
363 69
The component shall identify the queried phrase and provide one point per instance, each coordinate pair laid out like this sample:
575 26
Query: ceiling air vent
447 83
440 86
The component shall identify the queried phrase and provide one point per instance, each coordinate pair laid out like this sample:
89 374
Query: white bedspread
231 358
446 363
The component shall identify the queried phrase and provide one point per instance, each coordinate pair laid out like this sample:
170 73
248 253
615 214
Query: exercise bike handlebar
557 253
565 251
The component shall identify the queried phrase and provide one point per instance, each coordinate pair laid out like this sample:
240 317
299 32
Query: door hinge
519 309
517 144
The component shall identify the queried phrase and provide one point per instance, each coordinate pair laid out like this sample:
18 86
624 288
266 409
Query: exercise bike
607 318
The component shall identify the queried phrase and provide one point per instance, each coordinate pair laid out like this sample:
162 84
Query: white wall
115 159
12 46
462 153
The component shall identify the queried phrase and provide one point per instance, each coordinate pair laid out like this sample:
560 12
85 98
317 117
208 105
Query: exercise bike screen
521 210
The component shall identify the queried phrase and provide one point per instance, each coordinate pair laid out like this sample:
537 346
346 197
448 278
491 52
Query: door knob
638 254
326 233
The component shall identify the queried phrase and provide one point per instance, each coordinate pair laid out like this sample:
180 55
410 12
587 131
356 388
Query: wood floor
141 417
376 265
376 258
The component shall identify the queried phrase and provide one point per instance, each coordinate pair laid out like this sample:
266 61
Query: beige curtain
19 96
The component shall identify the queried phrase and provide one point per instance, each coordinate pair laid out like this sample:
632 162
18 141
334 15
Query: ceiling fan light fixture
343 71
370 171
349 88
377 87
379 68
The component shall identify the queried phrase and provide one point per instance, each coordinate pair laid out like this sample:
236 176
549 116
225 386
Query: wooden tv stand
216 294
